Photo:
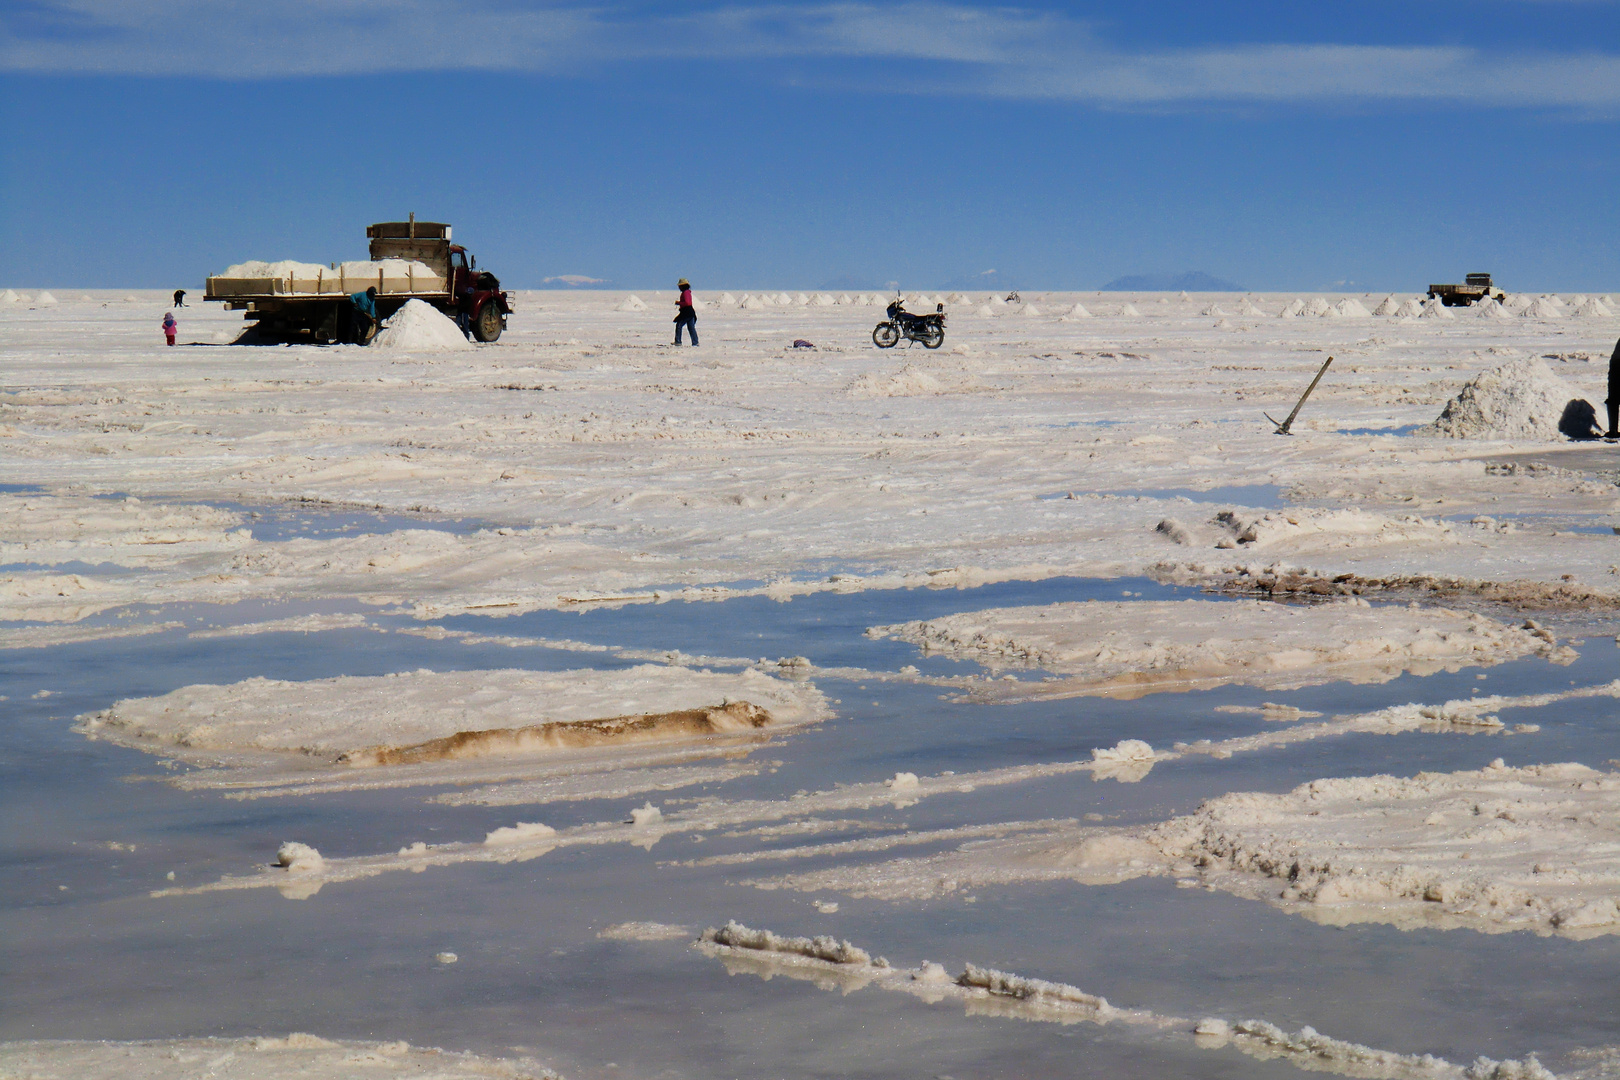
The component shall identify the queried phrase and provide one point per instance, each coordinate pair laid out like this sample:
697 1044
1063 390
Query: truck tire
487 324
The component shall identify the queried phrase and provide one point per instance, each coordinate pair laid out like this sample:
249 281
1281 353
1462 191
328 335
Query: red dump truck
410 260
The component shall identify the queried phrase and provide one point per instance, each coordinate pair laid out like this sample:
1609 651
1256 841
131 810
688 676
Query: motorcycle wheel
933 337
885 335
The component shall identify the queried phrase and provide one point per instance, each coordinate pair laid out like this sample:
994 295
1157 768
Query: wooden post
1282 428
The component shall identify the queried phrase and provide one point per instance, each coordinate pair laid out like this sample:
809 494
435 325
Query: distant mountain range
576 281
1191 281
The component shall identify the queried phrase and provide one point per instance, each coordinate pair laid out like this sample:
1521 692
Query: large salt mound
1348 308
1247 307
1129 311
1542 308
421 716
1317 306
752 303
9 297
1490 309
984 309
634 303
1409 309
1295 307
1078 312
1389 306
1214 310
1029 309
1593 309
1434 309
1521 399
420 327
45 299
727 300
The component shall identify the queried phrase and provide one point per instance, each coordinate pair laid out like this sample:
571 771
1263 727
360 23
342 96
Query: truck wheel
487 326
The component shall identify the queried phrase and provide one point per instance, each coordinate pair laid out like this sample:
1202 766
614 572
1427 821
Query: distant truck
410 260
1474 289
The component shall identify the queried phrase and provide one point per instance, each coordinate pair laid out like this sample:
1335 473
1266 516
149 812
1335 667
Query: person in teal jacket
357 319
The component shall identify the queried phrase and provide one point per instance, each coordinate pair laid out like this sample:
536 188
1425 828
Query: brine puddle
95 828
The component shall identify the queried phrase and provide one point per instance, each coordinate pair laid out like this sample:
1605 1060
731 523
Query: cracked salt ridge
1377 849
834 964
304 871
1129 761
826 627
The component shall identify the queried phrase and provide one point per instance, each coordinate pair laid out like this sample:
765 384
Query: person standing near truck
687 314
179 298
171 328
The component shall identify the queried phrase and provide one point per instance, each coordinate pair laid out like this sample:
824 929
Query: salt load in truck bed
410 260
289 278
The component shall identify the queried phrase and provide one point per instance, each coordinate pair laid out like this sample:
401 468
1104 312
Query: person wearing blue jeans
687 316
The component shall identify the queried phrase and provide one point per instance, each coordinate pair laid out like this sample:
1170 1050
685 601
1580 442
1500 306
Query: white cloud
998 52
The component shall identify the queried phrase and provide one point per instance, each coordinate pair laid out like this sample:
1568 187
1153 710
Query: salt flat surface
623 466
449 665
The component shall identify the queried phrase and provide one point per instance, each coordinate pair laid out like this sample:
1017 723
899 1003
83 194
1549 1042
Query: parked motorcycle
928 329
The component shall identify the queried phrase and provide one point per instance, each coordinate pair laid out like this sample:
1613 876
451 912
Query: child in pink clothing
170 327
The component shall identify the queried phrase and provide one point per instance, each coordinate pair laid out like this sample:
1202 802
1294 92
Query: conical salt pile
1247 307
1223 324
1030 309
985 309
44 299
1295 307
421 327
1215 310
1409 309
1521 399
751 303
1184 296
1490 309
1078 312
634 303
1317 306
1542 308
727 300
1348 308
823 300
843 298
1388 307
1434 309
1593 309
9 297
1129 311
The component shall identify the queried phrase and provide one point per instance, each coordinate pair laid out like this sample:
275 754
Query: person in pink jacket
170 327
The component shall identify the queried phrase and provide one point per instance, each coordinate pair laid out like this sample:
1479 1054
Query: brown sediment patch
727 718
1536 595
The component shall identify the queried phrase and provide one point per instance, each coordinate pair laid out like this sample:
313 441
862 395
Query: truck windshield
458 260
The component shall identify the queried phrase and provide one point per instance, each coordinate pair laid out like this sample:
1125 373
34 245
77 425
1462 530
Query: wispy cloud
958 49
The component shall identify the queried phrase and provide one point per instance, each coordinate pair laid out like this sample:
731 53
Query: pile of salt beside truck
410 260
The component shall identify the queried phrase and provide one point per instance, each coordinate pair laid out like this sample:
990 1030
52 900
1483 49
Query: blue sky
1282 146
